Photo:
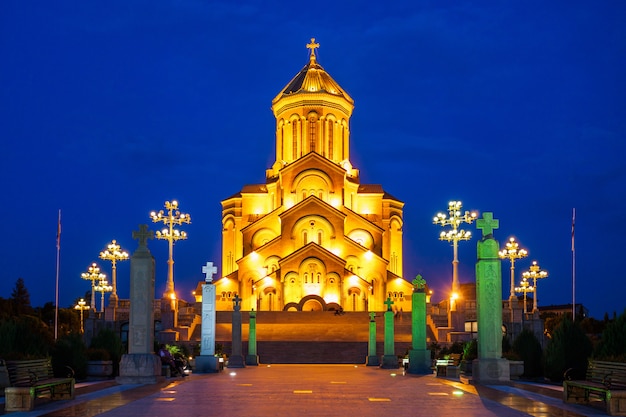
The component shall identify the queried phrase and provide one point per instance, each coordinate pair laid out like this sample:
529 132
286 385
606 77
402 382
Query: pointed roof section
313 79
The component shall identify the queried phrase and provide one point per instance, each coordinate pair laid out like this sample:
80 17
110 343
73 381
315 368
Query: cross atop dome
312 46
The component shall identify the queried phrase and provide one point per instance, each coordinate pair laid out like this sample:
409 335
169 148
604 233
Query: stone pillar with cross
236 360
419 355
389 359
490 367
372 359
251 358
207 362
141 365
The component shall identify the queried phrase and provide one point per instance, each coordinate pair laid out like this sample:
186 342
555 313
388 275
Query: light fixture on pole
525 287
114 254
81 305
454 218
512 252
172 218
102 287
535 273
93 274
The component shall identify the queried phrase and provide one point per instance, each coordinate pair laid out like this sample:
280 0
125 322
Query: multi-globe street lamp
114 254
102 287
81 305
512 252
172 218
93 274
525 287
535 273
454 219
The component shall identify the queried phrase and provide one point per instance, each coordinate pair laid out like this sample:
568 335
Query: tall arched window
294 140
305 237
312 133
331 131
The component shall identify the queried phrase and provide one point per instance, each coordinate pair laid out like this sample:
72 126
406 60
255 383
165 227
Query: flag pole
56 293
573 267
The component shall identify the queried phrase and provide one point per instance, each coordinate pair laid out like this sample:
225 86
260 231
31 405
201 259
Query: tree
612 344
20 299
568 348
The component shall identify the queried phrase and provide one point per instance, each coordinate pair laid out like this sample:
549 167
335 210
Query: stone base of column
372 361
236 361
420 362
490 371
389 362
208 364
252 360
140 368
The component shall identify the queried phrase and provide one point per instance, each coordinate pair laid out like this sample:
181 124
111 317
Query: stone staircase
313 337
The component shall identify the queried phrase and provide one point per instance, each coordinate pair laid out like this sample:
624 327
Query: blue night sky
112 108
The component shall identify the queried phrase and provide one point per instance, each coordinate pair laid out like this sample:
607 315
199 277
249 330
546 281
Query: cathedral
312 237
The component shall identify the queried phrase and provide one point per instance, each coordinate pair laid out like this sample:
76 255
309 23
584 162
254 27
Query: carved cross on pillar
209 270
388 303
487 224
143 234
236 303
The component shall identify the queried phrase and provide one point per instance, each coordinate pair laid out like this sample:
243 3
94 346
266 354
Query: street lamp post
535 273
454 218
512 252
525 287
81 305
93 274
172 218
114 254
102 287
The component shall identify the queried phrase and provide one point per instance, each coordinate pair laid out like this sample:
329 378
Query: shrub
98 354
70 352
528 348
24 337
568 348
470 350
108 340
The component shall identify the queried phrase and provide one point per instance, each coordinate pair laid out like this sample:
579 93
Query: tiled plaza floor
313 390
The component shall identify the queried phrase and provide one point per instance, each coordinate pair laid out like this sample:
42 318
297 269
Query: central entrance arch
311 303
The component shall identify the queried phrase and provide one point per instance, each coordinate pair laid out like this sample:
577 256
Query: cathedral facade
312 237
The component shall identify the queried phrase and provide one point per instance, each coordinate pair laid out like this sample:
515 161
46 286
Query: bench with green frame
605 382
32 379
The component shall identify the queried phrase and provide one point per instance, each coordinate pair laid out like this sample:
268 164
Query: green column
372 359
419 356
489 367
251 357
390 360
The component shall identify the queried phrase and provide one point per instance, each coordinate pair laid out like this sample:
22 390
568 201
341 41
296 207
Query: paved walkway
312 390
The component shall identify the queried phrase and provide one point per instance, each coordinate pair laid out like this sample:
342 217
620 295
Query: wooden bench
34 379
604 382
448 367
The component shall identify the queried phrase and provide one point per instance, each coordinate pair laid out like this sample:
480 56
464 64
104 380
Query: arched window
305 237
294 139
319 238
312 133
306 278
318 277
331 130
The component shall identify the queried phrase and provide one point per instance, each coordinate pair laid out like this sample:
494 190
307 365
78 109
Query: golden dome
313 79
